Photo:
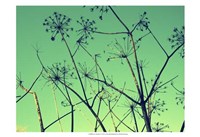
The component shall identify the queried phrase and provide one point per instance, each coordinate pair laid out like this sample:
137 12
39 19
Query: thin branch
118 18
135 120
143 106
38 111
161 71
137 67
116 89
112 116
74 63
134 27
109 33
56 107
75 51
176 50
57 120
87 104
121 121
143 128
134 77
183 126
72 106
111 108
158 42
37 106
94 61
98 110
176 89
144 80
31 86
166 82
84 101
95 98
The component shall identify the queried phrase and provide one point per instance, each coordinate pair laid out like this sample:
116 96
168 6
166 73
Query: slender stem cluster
104 95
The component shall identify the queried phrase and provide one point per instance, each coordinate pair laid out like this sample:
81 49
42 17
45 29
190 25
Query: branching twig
31 86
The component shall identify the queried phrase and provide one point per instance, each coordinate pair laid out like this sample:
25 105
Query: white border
100 2
8 64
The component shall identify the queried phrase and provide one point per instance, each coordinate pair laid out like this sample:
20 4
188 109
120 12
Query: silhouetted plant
120 50
104 91
158 106
143 22
160 127
180 95
58 23
59 72
86 30
178 38
85 71
101 9
19 81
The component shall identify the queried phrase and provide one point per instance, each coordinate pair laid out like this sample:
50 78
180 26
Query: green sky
31 33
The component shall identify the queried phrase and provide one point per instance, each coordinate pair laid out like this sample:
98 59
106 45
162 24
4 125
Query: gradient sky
30 33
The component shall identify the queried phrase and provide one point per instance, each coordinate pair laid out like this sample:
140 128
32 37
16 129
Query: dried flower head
143 63
159 127
143 23
177 39
133 108
158 106
86 30
180 95
107 94
58 23
19 81
59 72
101 9
160 86
120 50
65 103
86 71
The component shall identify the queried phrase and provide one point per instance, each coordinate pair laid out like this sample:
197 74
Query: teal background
30 32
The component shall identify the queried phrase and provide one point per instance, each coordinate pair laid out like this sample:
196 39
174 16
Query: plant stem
144 80
183 126
145 115
137 67
84 101
149 101
121 121
31 86
72 118
133 74
87 104
57 120
111 109
116 89
72 107
109 33
118 18
112 116
135 120
98 110
143 106
37 106
158 42
73 61
38 112
94 59
161 71
56 106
